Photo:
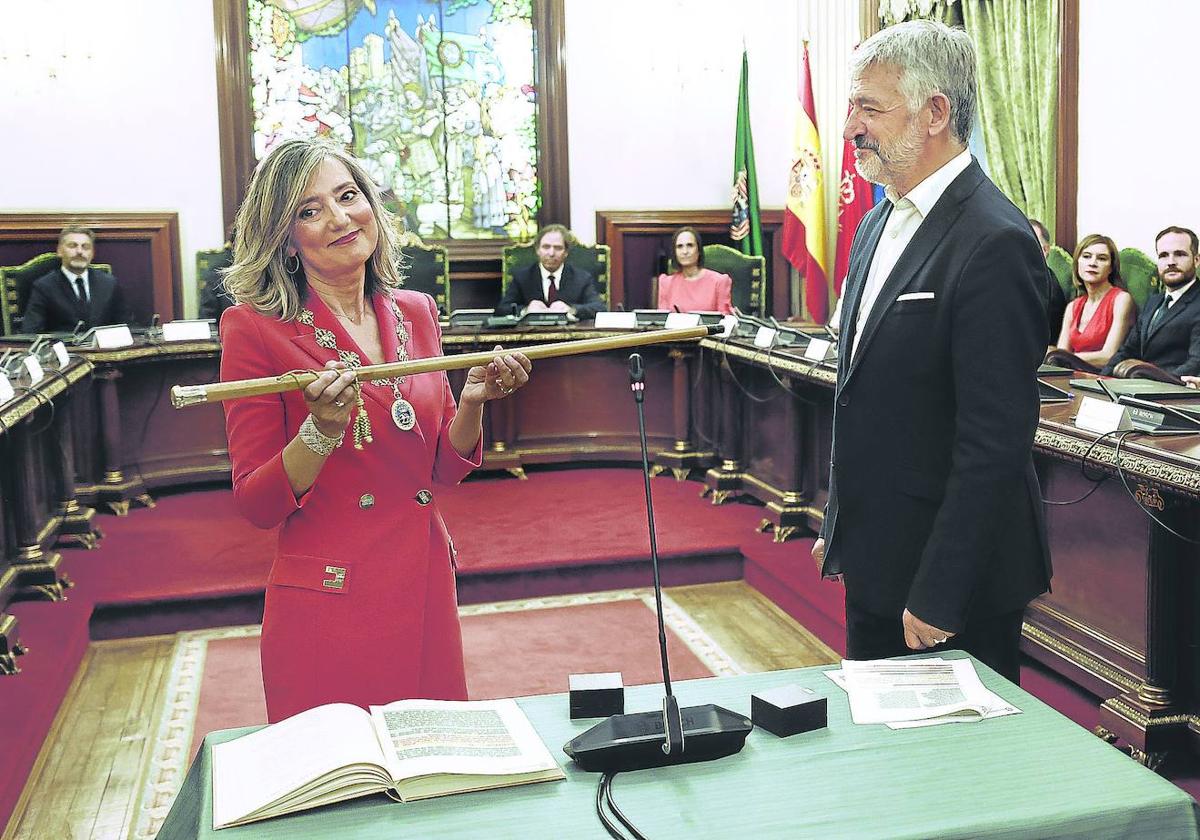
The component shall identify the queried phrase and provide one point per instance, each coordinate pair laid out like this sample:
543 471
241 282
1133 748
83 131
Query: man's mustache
862 142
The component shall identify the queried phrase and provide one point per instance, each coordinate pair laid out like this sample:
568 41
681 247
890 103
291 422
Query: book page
422 737
276 762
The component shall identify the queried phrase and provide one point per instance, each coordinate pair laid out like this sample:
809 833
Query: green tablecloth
1036 774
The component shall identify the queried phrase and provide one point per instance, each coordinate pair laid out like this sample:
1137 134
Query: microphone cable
1096 482
604 797
1136 500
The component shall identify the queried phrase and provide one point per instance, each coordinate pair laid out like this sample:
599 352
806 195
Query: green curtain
1017 42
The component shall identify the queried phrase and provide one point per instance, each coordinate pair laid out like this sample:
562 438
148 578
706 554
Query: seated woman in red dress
693 288
360 602
1097 321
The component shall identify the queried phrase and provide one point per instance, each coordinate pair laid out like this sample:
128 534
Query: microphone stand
643 740
672 722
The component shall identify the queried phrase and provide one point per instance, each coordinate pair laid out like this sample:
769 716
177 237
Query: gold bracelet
316 440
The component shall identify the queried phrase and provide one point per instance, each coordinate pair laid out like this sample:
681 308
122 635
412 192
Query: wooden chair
594 259
1067 359
16 283
1137 369
748 274
426 269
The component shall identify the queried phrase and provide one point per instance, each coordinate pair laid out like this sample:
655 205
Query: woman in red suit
360 604
1095 323
693 288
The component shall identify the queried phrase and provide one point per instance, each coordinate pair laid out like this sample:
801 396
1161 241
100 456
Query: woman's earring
291 268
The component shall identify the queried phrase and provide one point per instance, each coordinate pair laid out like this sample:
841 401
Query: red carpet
508 654
192 562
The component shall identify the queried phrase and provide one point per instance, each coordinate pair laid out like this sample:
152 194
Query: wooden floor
88 775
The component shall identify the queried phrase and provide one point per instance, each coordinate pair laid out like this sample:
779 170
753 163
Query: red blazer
360 604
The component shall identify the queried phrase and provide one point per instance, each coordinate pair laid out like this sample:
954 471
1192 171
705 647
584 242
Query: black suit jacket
933 501
54 306
575 287
1173 344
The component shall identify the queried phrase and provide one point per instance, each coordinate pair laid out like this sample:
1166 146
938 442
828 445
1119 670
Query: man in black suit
1167 331
551 280
59 300
934 521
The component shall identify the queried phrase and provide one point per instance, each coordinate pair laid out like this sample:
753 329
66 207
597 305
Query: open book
411 749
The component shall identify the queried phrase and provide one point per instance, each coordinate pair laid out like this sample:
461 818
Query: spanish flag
804 216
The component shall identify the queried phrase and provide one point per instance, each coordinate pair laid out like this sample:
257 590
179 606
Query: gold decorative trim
1134 463
1084 660
818 372
1143 721
96 356
27 402
1091 632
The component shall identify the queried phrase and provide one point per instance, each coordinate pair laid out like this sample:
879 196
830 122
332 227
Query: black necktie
1157 317
80 291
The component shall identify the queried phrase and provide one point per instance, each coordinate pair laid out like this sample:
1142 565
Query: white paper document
910 693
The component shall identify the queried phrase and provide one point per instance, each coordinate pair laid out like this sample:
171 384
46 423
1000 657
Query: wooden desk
1029 775
1121 621
580 408
38 505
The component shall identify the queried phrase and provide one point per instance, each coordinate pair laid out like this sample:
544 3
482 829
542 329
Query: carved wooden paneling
142 248
631 269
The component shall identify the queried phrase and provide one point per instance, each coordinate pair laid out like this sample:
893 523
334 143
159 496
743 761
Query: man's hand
818 556
920 636
1191 381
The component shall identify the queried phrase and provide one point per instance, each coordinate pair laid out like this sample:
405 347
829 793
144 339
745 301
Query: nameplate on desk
765 337
34 365
817 349
109 338
682 320
1102 416
186 331
6 389
60 353
728 325
616 320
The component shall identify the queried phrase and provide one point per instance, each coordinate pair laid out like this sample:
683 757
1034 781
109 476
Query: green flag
745 226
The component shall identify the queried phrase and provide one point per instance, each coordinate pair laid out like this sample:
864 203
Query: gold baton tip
184 395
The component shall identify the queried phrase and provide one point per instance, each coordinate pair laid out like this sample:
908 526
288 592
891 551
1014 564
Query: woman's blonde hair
258 275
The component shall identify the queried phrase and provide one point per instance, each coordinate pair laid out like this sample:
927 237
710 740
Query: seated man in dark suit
61 299
1167 331
551 284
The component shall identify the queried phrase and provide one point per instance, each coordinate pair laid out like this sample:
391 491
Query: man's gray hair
932 58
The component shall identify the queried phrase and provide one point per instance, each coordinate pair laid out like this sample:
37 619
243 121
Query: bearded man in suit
1167 331
551 284
934 522
74 292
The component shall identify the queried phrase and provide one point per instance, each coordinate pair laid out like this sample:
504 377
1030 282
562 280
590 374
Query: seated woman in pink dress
693 288
1097 321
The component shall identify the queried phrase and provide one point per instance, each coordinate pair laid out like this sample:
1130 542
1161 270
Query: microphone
675 307
78 326
1108 392
620 307
643 740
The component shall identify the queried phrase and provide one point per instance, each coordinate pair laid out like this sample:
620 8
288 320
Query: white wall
1139 123
652 98
112 106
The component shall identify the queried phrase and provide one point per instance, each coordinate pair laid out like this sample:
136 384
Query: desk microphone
78 326
674 736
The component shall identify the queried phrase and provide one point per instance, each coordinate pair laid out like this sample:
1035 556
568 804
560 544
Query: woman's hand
331 398
498 378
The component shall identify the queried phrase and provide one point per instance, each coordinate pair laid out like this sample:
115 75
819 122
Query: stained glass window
437 97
